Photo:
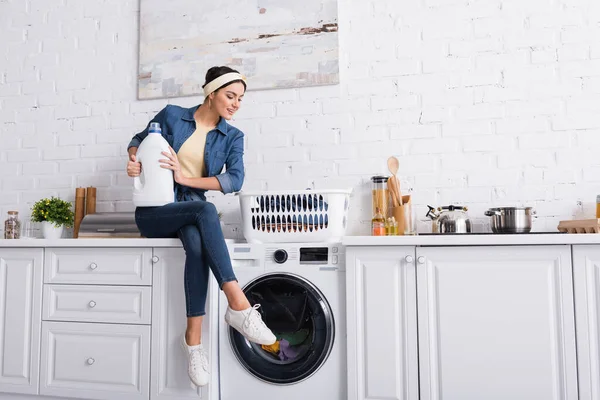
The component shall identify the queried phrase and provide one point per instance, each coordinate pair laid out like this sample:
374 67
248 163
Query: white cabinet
95 361
169 379
20 319
586 267
496 323
382 323
96 330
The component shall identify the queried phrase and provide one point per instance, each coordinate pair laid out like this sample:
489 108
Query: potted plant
54 214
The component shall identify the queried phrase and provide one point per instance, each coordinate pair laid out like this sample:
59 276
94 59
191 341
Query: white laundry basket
294 216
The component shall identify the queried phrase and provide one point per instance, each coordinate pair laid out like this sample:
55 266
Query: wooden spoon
392 190
398 190
393 166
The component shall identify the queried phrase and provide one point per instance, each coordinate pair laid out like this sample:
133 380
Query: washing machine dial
280 256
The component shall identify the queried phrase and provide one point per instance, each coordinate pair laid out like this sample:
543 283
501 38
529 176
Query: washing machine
301 290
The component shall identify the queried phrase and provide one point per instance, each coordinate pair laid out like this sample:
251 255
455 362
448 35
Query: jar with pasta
380 195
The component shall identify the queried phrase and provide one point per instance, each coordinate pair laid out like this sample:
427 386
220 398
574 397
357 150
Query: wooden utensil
79 209
393 187
399 191
390 185
90 200
393 166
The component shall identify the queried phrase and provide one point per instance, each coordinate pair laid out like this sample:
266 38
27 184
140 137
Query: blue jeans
196 223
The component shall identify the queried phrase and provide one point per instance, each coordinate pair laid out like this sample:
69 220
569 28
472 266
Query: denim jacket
224 147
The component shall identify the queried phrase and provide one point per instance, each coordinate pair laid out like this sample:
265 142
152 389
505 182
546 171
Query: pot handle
491 213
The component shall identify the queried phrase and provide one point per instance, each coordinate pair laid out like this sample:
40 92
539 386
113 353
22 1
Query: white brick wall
484 102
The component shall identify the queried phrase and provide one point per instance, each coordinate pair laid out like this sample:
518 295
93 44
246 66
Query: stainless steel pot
511 219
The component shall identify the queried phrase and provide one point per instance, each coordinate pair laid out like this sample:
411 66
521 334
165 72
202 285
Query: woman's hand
134 168
172 163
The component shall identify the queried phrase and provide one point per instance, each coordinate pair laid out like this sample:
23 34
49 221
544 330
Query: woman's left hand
172 163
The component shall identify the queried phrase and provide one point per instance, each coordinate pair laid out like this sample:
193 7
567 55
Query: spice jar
380 195
12 226
598 206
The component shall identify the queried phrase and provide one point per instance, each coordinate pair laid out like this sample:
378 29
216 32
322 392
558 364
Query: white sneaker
197 363
249 323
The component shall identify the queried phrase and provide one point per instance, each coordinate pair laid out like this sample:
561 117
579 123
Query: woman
202 142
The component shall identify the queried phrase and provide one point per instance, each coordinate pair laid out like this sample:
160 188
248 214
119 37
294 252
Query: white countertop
473 240
421 240
91 242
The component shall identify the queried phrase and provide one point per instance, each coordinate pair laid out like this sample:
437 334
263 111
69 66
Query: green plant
53 210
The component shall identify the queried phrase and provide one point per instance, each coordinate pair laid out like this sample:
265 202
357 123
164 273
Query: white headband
222 80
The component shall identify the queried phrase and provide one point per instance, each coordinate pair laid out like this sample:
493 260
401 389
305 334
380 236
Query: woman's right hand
134 168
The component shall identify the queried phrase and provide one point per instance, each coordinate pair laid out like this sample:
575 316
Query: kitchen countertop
473 239
420 240
91 242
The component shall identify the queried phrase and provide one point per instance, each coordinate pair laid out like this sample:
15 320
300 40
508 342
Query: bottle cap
154 128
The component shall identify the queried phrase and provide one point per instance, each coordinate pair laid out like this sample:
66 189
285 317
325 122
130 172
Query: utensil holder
403 215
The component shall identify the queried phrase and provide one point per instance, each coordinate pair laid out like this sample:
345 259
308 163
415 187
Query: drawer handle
93 266
155 259
90 361
92 304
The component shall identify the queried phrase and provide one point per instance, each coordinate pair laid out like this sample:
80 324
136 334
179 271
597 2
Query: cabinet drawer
95 361
102 266
83 303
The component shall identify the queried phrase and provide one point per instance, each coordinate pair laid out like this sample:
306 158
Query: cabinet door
20 319
95 361
496 323
169 364
382 323
586 270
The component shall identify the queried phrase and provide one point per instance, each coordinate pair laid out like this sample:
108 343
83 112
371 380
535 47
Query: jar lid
379 179
13 213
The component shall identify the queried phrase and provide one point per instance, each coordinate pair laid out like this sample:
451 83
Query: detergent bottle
154 186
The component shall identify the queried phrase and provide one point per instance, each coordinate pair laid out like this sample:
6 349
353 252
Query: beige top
191 153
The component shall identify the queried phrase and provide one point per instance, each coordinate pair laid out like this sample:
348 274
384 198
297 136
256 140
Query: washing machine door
301 318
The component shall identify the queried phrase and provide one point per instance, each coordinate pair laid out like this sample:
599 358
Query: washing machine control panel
305 254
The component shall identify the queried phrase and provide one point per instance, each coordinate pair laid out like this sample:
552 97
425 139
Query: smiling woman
201 144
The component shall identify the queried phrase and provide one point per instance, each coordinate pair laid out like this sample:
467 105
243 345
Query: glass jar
380 196
378 224
410 219
12 226
29 229
598 206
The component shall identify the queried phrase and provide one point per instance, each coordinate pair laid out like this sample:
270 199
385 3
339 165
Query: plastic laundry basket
294 216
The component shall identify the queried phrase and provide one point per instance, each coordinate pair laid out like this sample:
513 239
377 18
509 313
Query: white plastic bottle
154 186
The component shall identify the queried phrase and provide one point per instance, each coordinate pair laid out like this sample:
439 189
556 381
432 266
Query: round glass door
301 318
